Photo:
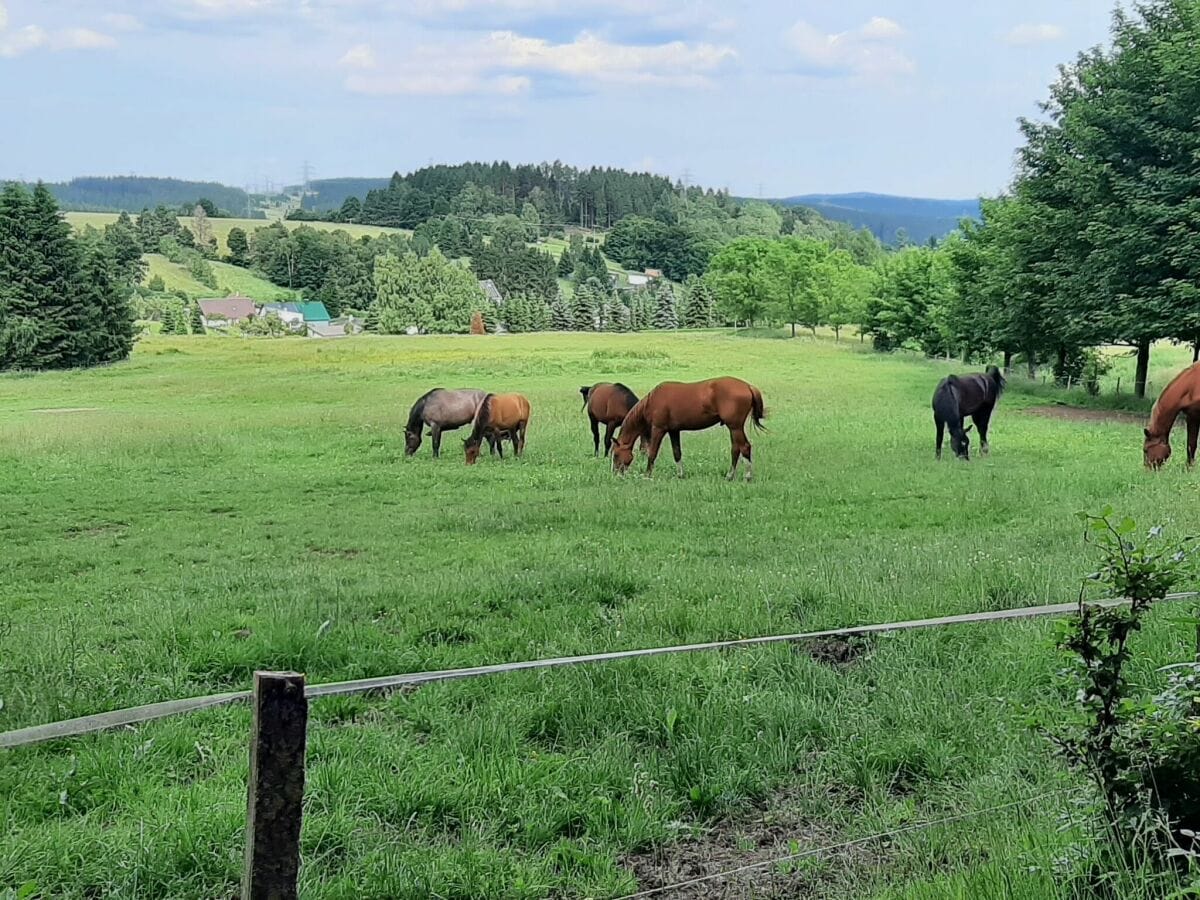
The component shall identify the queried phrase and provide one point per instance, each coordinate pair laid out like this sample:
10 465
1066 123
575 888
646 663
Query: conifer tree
665 316
560 315
197 319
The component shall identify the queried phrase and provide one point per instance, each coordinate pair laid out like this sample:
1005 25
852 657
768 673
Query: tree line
64 299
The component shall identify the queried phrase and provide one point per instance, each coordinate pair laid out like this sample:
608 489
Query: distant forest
132 193
893 220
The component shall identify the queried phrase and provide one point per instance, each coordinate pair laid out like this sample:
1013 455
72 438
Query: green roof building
314 311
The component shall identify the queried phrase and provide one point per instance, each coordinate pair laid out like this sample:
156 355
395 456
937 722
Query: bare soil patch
1079 414
777 829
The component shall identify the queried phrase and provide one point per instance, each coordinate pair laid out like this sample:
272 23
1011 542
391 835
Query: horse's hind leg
517 435
941 433
677 450
735 450
596 436
981 420
742 448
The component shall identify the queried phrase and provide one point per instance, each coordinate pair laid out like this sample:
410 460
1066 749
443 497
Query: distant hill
330 193
132 193
885 215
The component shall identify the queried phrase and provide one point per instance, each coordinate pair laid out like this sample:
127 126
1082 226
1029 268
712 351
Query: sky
769 98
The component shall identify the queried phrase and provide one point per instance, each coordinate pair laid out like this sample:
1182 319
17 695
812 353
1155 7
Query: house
637 279
491 291
314 311
219 312
334 328
652 273
288 312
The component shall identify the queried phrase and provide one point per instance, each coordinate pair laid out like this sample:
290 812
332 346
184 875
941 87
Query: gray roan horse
442 410
959 396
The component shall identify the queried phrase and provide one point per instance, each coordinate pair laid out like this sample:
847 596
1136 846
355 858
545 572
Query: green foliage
270 325
740 274
239 247
197 319
913 302
156 284
585 306
199 269
665 315
698 309
561 318
430 293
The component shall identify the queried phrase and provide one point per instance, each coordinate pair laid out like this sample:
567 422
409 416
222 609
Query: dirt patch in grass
96 529
755 846
1079 414
835 651
335 552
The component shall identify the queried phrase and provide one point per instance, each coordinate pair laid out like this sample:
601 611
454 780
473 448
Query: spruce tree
197 319
566 263
103 288
585 308
19 325
167 321
54 260
560 315
665 317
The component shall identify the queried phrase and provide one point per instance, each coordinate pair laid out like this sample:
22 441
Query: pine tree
156 284
54 260
103 288
665 317
197 319
539 317
566 263
585 308
560 315
19 325
168 320
371 322
696 310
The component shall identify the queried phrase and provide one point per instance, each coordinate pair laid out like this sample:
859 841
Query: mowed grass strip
213 503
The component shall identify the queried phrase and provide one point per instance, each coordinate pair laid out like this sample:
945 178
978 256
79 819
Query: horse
959 396
610 404
442 410
673 407
1182 395
498 414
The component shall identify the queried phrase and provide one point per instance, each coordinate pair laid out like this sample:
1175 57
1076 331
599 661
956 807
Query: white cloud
505 62
3 16
219 9
867 51
1029 33
359 57
31 37
81 39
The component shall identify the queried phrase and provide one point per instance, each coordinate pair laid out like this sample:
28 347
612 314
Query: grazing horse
673 407
442 410
959 396
498 415
1182 395
610 404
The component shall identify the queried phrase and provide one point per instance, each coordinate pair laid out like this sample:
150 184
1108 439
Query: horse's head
1155 451
412 441
622 457
961 444
471 449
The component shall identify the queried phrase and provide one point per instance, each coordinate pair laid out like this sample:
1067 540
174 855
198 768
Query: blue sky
916 97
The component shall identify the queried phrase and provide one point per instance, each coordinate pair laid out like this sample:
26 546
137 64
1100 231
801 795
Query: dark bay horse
442 410
1182 395
610 404
673 407
498 415
959 396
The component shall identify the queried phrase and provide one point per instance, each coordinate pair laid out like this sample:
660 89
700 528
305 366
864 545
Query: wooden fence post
275 793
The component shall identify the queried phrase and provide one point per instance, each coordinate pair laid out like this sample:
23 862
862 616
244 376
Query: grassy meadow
214 506
222 227
230 280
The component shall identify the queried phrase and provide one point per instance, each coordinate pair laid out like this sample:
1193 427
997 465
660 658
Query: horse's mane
945 401
629 396
634 423
483 417
418 410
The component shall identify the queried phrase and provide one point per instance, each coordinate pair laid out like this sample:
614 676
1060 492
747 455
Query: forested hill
884 216
560 194
327 194
131 193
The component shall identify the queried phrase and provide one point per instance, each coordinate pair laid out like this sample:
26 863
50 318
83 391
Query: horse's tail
997 378
757 410
483 417
945 401
417 413
586 391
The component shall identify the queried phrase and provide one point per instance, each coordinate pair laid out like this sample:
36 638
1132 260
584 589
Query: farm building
314 311
637 279
219 312
491 291
289 312
652 273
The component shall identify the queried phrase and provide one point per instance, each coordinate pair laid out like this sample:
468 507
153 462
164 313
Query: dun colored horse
610 404
497 415
959 396
442 410
1182 395
673 407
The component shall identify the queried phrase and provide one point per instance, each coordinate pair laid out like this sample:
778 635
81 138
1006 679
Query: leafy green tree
845 286
741 276
914 292
239 247
200 269
794 266
532 220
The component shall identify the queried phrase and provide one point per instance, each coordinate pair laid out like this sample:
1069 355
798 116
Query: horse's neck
1166 408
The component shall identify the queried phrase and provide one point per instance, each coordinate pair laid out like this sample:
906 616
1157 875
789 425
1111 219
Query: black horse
959 396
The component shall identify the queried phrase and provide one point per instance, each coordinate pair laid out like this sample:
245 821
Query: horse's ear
1146 432
967 430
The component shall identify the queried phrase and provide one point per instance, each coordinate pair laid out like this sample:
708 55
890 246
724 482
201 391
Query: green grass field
230 280
222 227
213 503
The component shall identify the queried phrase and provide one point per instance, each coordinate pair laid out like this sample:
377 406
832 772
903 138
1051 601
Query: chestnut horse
1182 395
610 404
497 415
673 407
959 396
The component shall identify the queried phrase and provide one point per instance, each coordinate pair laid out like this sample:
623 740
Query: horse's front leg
656 438
677 450
1193 432
435 431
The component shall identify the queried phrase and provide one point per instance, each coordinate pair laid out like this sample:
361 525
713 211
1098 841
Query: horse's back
611 402
458 406
508 410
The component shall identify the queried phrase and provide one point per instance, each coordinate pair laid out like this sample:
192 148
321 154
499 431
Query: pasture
215 506
230 280
222 227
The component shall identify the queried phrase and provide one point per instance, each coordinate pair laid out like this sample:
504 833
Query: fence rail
36 734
